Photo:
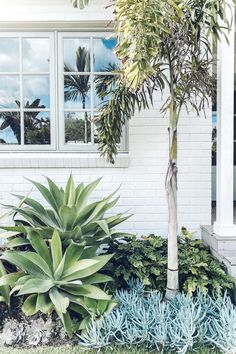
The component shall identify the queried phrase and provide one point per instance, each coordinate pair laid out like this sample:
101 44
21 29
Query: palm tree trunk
172 287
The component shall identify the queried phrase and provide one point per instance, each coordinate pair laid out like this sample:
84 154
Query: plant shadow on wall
37 129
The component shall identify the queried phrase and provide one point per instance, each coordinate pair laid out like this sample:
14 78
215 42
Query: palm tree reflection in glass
36 129
78 86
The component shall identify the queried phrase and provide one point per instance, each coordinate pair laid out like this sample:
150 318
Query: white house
38 44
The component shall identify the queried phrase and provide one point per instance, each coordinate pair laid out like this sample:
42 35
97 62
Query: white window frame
91 147
56 74
21 73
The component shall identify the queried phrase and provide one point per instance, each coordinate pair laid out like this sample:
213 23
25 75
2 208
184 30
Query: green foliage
51 277
75 129
146 259
120 107
170 42
5 289
69 212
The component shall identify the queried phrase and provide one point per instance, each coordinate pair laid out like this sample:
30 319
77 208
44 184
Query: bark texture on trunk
171 196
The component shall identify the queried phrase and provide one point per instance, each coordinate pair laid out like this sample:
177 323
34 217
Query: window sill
60 160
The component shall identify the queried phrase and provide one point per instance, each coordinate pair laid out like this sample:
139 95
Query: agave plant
53 278
68 212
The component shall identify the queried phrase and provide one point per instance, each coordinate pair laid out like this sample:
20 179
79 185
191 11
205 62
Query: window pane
77 54
37 128
77 127
9 91
9 54
104 57
36 91
77 91
35 54
9 128
104 86
95 131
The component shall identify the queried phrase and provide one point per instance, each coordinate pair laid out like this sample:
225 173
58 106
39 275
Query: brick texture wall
142 180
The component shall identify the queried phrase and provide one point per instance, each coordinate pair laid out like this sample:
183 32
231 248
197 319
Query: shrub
184 324
56 278
68 212
146 259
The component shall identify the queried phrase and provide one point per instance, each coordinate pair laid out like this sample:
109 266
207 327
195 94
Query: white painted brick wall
142 182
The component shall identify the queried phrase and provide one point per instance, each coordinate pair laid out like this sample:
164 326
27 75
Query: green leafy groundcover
146 259
77 350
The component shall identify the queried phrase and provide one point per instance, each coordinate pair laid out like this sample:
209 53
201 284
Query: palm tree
78 86
31 122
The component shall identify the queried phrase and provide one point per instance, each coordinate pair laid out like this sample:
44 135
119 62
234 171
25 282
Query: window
49 94
26 98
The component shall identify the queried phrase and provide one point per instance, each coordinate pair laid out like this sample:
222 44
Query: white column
224 225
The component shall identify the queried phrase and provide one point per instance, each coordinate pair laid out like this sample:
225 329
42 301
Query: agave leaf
18 228
86 193
104 226
40 247
66 320
80 266
73 253
68 216
8 234
59 300
57 194
84 213
56 249
58 272
119 220
89 252
17 242
32 203
96 279
70 196
85 269
51 214
30 216
26 261
78 191
82 310
99 209
29 305
96 240
44 304
4 289
46 194
10 279
36 285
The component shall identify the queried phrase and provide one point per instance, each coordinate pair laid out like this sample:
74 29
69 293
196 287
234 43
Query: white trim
224 225
60 160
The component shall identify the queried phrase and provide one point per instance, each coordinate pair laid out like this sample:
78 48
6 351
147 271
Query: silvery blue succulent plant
179 326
